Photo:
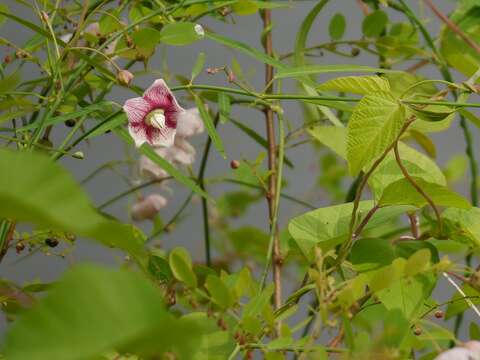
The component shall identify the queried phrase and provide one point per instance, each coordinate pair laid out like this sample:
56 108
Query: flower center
156 118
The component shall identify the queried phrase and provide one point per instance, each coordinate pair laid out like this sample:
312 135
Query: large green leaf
374 125
35 189
181 33
329 226
362 85
416 163
374 23
402 192
93 310
337 26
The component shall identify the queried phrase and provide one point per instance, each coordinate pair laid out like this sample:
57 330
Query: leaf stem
417 187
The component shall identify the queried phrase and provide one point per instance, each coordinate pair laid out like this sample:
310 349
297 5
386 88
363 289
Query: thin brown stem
272 162
415 185
364 222
452 26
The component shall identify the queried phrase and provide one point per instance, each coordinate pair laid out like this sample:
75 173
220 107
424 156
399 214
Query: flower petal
148 207
160 96
190 123
136 109
148 169
160 137
182 152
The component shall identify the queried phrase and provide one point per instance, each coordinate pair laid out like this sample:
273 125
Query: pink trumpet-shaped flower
153 117
148 207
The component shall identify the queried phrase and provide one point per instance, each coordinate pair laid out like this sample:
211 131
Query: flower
153 117
148 207
199 30
469 351
190 123
180 153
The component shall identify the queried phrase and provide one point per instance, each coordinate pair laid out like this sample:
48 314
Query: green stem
201 181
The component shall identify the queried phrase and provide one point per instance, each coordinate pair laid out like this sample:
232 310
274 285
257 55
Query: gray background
189 233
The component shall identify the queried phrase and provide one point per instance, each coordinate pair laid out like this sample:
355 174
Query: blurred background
302 180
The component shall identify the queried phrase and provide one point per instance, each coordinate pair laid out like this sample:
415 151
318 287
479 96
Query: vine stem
201 182
416 186
272 163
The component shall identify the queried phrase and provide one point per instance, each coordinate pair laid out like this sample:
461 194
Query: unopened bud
124 77
51 242
417 331
235 164
78 155
7 59
355 51
19 247
439 314
231 76
44 16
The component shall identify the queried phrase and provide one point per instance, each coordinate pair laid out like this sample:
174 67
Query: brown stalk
272 161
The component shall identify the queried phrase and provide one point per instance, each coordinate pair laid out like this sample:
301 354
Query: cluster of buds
156 118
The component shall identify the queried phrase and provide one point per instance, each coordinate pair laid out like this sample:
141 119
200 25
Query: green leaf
224 107
245 7
4 9
10 82
418 262
159 268
112 122
458 304
474 331
467 221
218 291
121 311
407 295
146 40
35 189
110 22
363 85
149 152
215 344
454 49
474 119
402 192
374 125
416 163
198 67
326 69
432 112
257 304
333 137
181 33
210 126
370 254
181 266
337 26
374 23
329 226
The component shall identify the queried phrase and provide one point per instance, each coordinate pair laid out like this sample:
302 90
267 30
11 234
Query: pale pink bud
124 77
148 207
190 123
